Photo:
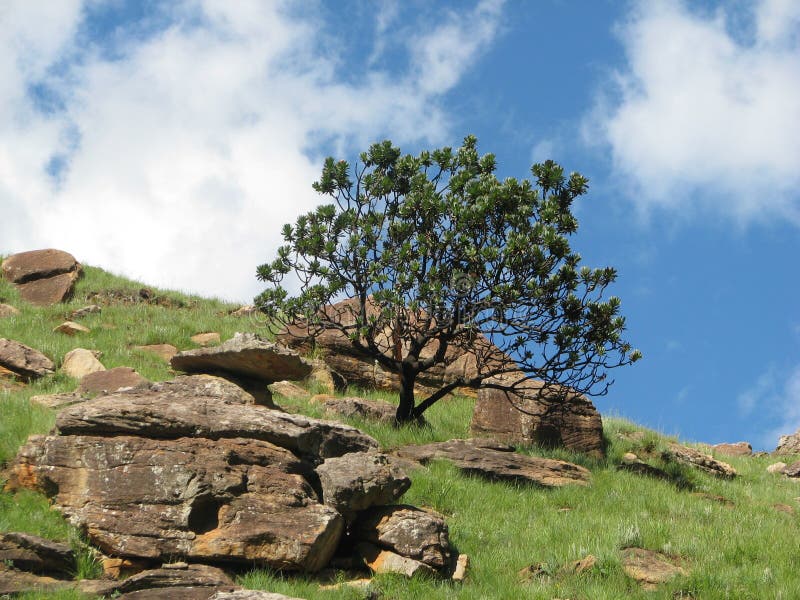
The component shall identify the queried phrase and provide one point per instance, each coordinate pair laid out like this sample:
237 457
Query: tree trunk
405 411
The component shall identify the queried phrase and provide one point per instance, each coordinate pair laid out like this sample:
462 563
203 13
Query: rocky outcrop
409 531
698 460
42 277
81 362
789 444
536 414
32 553
148 414
376 410
25 362
359 480
496 461
111 380
248 360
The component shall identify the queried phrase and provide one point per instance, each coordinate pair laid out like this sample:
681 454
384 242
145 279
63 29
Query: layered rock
43 277
498 462
789 444
32 553
25 362
538 414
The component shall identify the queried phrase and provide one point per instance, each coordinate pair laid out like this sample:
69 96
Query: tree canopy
447 259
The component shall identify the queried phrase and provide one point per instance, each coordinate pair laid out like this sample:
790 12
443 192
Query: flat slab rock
699 460
232 500
24 361
650 568
111 380
32 553
497 461
147 414
537 415
245 355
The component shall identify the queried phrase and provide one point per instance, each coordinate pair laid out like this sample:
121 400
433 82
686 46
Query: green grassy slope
742 548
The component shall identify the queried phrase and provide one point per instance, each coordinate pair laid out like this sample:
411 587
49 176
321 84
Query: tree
443 256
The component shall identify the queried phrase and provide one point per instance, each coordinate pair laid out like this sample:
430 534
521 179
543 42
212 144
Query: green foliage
435 249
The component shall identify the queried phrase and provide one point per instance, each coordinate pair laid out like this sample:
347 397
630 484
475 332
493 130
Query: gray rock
411 532
147 414
354 482
385 561
24 361
793 470
496 461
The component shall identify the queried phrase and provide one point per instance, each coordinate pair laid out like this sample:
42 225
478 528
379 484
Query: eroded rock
789 444
25 362
699 460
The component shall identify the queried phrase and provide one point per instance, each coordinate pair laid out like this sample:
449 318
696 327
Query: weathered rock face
538 416
377 410
111 380
147 414
736 449
202 386
43 277
408 531
32 553
359 480
789 444
235 499
699 460
24 361
495 461
80 362
248 361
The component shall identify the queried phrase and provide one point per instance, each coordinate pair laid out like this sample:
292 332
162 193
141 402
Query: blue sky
170 141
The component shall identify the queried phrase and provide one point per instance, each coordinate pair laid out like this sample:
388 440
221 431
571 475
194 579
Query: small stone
164 351
777 467
6 310
580 566
81 362
92 309
459 567
648 567
290 390
206 339
534 572
629 458
71 328
384 561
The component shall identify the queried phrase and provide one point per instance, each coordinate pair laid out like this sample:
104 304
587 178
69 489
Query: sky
169 142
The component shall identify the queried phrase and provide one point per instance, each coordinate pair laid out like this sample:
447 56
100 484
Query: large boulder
247 360
537 414
43 277
356 481
25 362
789 444
149 414
498 462
409 531
233 500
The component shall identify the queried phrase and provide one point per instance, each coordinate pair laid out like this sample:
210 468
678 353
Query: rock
534 572
57 401
230 500
325 378
176 593
116 568
737 449
145 413
376 410
80 362
410 532
777 467
14 582
793 470
92 309
384 561
248 361
203 576
580 566
633 464
244 311
699 460
111 380
539 415
290 390
201 385
495 461
251 595
356 481
459 565
38 264
46 292
206 339
649 568
6 310
71 328
164 351
24 361
33 553
789 444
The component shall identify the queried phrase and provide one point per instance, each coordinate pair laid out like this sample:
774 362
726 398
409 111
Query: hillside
732 538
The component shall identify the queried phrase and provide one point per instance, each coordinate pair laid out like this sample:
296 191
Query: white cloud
778 399
703 116
185 152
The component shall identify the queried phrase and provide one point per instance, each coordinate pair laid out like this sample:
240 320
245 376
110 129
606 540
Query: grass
740 549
